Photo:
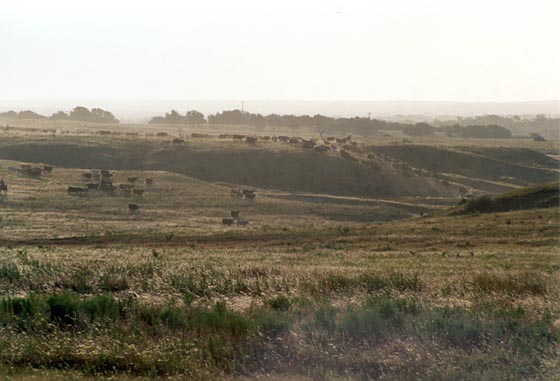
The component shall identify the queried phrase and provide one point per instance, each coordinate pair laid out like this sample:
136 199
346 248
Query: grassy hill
542 196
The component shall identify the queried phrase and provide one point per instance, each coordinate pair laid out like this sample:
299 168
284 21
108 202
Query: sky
330 50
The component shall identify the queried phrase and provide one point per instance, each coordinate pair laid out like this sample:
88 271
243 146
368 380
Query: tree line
79 113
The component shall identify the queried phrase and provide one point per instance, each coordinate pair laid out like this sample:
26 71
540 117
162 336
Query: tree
194 117
60 115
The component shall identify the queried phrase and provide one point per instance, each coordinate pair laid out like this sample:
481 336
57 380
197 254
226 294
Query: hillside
542 196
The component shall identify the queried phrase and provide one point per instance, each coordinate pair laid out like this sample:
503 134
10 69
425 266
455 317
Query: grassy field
318 285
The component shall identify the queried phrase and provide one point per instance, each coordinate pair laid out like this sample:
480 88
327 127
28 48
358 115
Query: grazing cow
293 141
161 134
126 192
265 137
331 138
284 139
149 182
3 186
132 208
47 168
238 137
106 186
132 134
92 186
275 138
251 140
126 186
87 176
321 149
234 214
308 144
242 222
227 221
177 142
76 190
106 174
104 132
138 192
31 171
132 180
249 194
236 192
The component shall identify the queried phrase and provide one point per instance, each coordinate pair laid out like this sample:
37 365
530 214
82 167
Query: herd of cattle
102 181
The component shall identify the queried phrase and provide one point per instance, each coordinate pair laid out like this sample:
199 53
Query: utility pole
242 106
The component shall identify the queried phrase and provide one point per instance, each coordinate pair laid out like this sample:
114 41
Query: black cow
132 208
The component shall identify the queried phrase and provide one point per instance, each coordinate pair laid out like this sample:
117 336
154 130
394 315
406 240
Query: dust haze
318 190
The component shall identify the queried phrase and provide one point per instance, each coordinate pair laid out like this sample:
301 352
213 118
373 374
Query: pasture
325 282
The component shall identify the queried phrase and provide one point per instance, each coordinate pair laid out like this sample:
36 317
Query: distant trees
96 115
419 129
174 117
484 132
27 114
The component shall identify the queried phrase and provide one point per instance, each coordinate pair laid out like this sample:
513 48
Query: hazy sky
475 50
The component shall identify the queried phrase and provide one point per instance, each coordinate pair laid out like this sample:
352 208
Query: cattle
225 136
106 186
161 134
236 192
251 140
132 134
92 186
242 222
177 142
3 186
239 137
31 171
126 186
234 214
331 138
321 149
132 180
227 221
47 168
284 139
87 176
76 190
138 192
249 194
275 138
126 192
293 141
149 182
266 138
133 208
104 132
105 174
308 144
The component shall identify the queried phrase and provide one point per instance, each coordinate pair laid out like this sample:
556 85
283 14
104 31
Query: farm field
346 269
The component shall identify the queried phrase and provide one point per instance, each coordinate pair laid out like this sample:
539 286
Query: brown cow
3 186
177 141
47 168
227 221
76 190
238 137
307 144
251 140
235 214
138 192
126 186
132 208
132 180
249 194
149 182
